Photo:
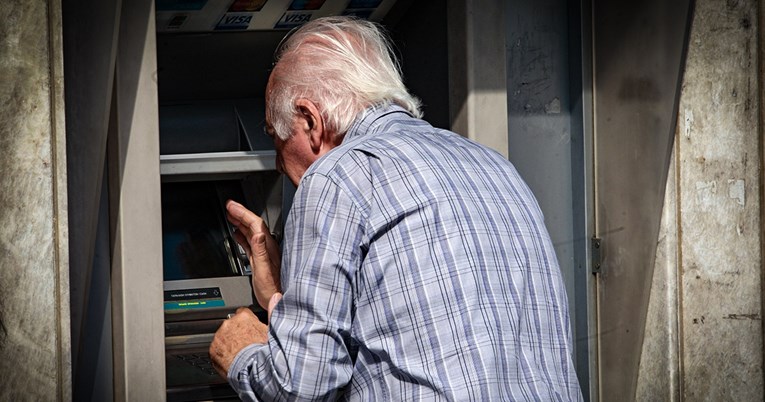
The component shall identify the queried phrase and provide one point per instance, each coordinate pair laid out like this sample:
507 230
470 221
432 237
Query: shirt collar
373 119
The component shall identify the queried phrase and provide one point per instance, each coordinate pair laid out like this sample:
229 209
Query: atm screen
195 235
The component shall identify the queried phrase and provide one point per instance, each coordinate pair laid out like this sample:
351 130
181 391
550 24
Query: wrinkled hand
262 250
236 333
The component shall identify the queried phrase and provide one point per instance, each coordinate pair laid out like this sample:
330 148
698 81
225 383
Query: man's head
327 72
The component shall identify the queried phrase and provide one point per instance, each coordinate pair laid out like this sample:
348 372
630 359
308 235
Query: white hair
342 64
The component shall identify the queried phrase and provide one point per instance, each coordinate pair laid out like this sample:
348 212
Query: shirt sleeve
309 351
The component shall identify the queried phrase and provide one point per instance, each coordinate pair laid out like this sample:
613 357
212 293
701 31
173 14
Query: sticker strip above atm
176 16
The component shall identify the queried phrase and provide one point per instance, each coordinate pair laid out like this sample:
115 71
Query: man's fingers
244 310
259 249
242 241
233 211
251 229
263 251
233 335
244 219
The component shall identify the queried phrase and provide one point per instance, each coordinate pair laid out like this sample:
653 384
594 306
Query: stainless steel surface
89 57
477 77
139 358
218 163
546 137
638 59
583 199
183 341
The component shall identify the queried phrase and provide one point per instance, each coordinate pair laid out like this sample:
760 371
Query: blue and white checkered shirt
416 266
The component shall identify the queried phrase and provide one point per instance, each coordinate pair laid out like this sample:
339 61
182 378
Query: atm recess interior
214 58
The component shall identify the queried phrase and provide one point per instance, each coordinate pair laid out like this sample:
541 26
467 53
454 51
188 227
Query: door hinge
595 250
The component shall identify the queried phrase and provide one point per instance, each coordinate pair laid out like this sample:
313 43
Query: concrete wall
704 333
34 288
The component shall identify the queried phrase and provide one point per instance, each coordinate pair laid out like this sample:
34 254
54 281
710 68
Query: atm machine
209 155
213 61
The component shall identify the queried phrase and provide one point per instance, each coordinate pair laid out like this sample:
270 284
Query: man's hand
239 331
263 251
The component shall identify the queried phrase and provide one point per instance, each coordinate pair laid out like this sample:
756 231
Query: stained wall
34 307
704 333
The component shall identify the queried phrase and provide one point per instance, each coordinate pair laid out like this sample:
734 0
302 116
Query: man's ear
312 123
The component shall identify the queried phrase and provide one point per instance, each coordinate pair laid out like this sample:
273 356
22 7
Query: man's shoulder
370 144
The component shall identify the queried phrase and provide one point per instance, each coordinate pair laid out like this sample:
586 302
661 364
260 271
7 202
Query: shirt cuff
243 361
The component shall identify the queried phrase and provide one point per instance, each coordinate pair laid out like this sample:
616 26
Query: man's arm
243 328
307 351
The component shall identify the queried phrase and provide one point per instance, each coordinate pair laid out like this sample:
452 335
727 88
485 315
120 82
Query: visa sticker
234 21
291 19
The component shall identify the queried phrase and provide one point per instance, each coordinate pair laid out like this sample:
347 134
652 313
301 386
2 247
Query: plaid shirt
416 266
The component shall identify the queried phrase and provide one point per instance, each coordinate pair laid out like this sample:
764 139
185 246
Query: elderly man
415 264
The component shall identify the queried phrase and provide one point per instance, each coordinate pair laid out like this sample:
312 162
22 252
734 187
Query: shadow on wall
639 56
